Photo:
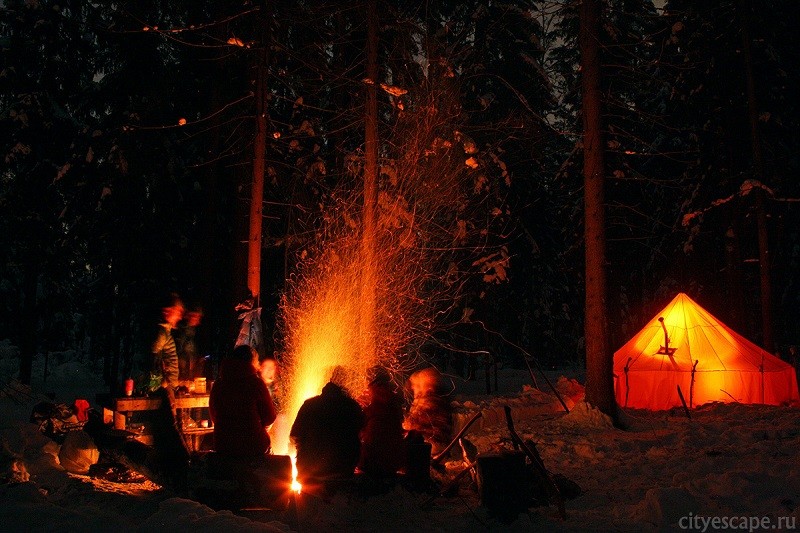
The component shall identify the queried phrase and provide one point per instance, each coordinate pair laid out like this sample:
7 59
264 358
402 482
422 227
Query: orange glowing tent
685 346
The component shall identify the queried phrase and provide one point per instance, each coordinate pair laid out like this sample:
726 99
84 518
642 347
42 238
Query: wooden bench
123 408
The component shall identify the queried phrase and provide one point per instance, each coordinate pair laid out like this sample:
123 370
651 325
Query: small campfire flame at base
296 486
279 435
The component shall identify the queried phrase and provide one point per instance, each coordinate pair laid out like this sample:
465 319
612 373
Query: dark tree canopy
127 134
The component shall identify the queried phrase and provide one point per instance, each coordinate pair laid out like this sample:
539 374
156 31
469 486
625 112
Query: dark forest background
127 129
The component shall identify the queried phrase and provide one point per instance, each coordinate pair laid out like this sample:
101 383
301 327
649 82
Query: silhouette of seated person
241 407
325 434
382 450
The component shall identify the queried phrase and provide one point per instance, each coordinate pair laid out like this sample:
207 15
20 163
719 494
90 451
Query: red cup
128 387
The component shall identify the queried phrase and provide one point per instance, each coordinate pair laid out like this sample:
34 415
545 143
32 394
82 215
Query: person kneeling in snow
326 434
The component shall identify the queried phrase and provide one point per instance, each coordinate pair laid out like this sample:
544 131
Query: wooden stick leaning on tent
683 402
627 382
665 350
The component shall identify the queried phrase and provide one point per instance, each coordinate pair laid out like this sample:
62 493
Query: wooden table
125 406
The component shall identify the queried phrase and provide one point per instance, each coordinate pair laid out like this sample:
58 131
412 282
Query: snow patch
178 514
586 416
665 506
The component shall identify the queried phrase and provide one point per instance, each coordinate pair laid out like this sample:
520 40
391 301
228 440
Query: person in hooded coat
325 434
241 407
382 451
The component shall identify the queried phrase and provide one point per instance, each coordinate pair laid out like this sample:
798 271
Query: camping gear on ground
504 484
55 420
417 462
78 453
544 483
512 481
437 459
12 467
685 346
81 408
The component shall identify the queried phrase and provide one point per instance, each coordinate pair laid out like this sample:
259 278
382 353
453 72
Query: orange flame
324 331
295 484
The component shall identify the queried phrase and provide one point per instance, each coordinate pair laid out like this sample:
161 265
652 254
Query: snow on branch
746 188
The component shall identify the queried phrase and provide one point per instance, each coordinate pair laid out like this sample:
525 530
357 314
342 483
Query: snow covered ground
730 464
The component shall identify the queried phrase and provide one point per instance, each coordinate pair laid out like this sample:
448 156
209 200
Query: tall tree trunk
257 188
368 305
30 282
115 334
733 276
209 245
599 359
758 166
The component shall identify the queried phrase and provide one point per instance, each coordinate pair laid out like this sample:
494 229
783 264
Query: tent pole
691 384
683 402
627 382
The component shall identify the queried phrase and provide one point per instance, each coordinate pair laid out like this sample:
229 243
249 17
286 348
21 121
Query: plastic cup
128 387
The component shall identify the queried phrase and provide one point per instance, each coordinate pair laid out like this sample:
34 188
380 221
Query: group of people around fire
334 435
